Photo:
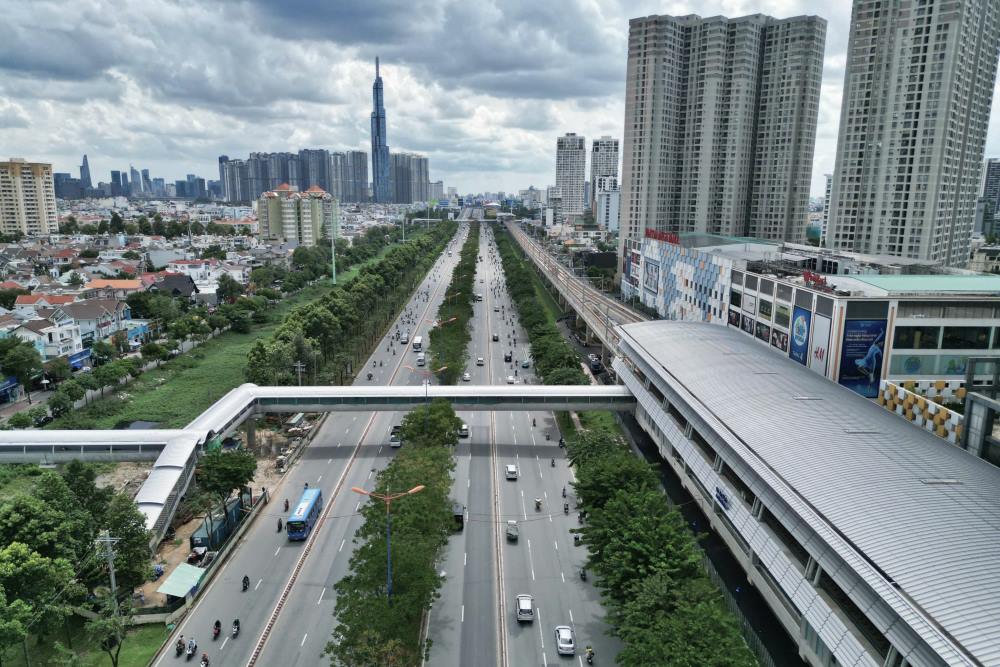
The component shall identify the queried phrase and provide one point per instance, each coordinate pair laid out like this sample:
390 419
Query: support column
251 433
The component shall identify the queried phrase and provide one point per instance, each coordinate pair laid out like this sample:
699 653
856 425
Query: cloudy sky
483 87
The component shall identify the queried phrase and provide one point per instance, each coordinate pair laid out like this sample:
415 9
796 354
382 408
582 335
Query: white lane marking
467 483
463 613
303 642
224 643
329 461
341 544
571 616
277 550
563 575
532 438
524 512
321 594
348 430
557 545
358 506
319 479
465 559
370 473
355 419
541 635
379 450
338 444
531 561
259 582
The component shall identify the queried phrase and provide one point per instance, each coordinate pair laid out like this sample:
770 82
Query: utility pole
299 367
108 543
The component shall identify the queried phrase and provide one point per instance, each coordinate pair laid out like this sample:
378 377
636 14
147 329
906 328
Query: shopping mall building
855 319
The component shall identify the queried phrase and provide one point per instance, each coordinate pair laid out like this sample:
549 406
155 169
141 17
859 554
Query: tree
15 619
38 414
109 629
435 425
60 403
58 369
89 253
220 473
213 251
116 225
20 420
73 389
124 521
9 296
131 254
102 352
228 288
76 280
23 362
81 478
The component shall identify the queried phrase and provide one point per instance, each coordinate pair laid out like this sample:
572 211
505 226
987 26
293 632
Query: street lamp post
387 498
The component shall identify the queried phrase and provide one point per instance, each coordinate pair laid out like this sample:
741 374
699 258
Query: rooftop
895 285
871 491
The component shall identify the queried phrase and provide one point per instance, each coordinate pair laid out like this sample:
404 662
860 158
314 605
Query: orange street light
387 498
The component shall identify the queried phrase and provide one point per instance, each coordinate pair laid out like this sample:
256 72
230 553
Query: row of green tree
555 360
323 342
449 340
659 600
143 225
50 561
372 629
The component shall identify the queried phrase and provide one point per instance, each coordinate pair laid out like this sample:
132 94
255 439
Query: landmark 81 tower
381 188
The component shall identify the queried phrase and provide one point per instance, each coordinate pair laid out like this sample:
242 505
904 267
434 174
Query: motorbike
590 656
286 504
565 508
246 584
538 504
204 661
180 647
215 631
190 651
564 492
562 442
369 377
236 630
583 574
553 462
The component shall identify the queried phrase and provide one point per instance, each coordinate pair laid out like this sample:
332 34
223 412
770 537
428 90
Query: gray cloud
482 87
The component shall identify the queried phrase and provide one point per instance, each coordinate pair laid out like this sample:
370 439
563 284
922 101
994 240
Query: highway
473 621
601 312
346 452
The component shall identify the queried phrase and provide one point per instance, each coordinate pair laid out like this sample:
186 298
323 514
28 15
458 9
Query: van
421 359
418 343
463 432
526 363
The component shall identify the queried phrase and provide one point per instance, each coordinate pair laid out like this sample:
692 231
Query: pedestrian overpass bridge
175 450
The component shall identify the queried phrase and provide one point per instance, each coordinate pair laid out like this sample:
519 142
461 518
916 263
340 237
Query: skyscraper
356 177
571 170
27 198
991 183
85 181
314 169
916 105
116 184
135 179
147 183
826 209
223 159
720 125
382 190
603 162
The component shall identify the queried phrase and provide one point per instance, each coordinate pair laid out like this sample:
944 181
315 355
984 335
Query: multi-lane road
287 615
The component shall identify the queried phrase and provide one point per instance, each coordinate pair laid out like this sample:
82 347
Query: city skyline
487 121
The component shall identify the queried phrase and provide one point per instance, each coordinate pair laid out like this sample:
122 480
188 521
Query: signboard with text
801 319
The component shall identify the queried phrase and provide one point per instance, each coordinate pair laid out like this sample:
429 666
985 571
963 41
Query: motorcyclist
286 504
246 582
538 503
192 645
204 659
218 625
279 524
180 644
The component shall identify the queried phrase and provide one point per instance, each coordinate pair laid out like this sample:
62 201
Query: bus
418 343
305 514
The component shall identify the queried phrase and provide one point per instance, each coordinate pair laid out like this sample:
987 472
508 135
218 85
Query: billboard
748 324
750 303
820 348
734 318
651 276
799 350
861 356
763 331
779 339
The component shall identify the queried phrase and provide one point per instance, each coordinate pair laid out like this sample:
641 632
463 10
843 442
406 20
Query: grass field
140 646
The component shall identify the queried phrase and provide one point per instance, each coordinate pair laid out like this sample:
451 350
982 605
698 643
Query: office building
223 159
287 215
381 168
916 104
603 162
147 183
27 198
606 205
135 181
720 125
571 170
85 182
116 184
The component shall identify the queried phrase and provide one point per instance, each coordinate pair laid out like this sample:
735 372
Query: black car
507 356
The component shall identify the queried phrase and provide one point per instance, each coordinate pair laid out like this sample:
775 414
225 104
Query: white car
510 471
466 377
479 361
463 432
510 379
565 644
525 606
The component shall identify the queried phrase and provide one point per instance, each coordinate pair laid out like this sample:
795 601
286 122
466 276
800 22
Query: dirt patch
126 477
171 553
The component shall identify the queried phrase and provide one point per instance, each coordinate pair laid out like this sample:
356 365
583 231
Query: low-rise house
27 305
175 285
99 319
53 337
109 288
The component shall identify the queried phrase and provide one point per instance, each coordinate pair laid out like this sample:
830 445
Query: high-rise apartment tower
913 122
571 170
603 162
27 198
720 125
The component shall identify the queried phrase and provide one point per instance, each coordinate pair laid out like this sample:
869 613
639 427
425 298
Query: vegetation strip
450 339
659 600
373 629
555 361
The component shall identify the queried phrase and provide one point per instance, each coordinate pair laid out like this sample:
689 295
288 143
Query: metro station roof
917 518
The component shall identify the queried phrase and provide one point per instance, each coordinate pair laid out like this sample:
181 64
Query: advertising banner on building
763 331
861 356
750 303
820 348
748 324
651 276
800 335
734 318
779 339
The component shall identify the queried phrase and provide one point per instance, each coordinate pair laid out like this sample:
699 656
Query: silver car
565 644
525 606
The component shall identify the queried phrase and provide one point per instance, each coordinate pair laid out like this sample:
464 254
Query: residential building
826 209
54 336
720 125
98 319
111 288
135 181
314 169
603 162
988 205
27 198
606 207
236 184
571 169
355 188
381 174
409 176
917 91
285 214
436 190
27 305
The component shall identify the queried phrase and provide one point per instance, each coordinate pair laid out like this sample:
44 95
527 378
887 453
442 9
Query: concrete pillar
251 432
